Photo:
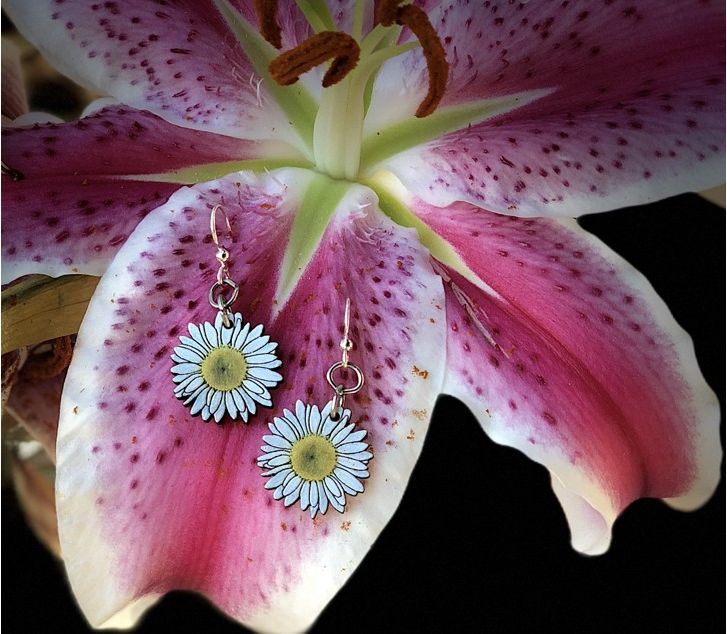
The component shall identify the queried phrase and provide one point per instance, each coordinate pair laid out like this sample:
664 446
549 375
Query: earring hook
346 344
213 224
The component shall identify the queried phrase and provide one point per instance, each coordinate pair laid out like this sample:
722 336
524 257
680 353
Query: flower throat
355 61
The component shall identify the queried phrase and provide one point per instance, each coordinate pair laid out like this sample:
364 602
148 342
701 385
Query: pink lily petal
178 60
78 200
636 113
151 499
569 355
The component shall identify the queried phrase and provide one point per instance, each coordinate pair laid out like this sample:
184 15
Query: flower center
348 82
224 368
313 457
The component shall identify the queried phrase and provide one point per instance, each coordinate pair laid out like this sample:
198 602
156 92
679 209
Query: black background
481 544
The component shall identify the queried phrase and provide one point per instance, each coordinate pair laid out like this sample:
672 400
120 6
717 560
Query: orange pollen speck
286 68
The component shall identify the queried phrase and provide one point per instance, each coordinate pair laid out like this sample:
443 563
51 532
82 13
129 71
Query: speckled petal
152 499
179 60
636 114
570 356
74 209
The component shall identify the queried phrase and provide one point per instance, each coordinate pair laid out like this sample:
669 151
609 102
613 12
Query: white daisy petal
277 441
253 387
252 338
265 375
300 419
313 511
356 436
215 400
230 405
342 434
191 383
249 402
337 504
352 447
313 495
297 425
350 464
241 336
280 460
322 497
226 335
338 425
314 420
293 496
347 480
361 455
191 397
199 402
219 413
305 495
277 479
266 349
211 334
239 402
206 413
285 429
333 487
196 335
261 360
188 354
185 368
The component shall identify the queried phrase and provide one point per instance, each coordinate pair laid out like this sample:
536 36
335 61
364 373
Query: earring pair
313 456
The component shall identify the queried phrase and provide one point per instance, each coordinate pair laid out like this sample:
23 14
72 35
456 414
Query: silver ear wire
216 295
340 390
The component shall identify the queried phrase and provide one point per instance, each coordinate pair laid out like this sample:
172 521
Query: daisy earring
226 367
317 457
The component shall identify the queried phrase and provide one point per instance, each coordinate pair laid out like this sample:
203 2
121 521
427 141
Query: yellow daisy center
224 368
313 457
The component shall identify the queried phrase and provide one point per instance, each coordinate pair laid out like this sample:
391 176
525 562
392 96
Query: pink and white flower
450 233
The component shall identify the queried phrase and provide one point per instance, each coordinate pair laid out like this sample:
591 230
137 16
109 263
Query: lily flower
430 174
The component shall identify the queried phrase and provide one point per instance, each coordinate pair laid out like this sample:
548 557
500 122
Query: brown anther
418 22
46 365
288 67
15 175
267 15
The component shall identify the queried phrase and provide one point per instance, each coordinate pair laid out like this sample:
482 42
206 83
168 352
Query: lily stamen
437 66
267 15
288 67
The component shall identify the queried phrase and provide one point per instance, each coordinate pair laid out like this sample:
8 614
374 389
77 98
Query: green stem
358 15
317 14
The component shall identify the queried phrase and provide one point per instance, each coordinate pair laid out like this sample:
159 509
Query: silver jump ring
220 303
341 388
